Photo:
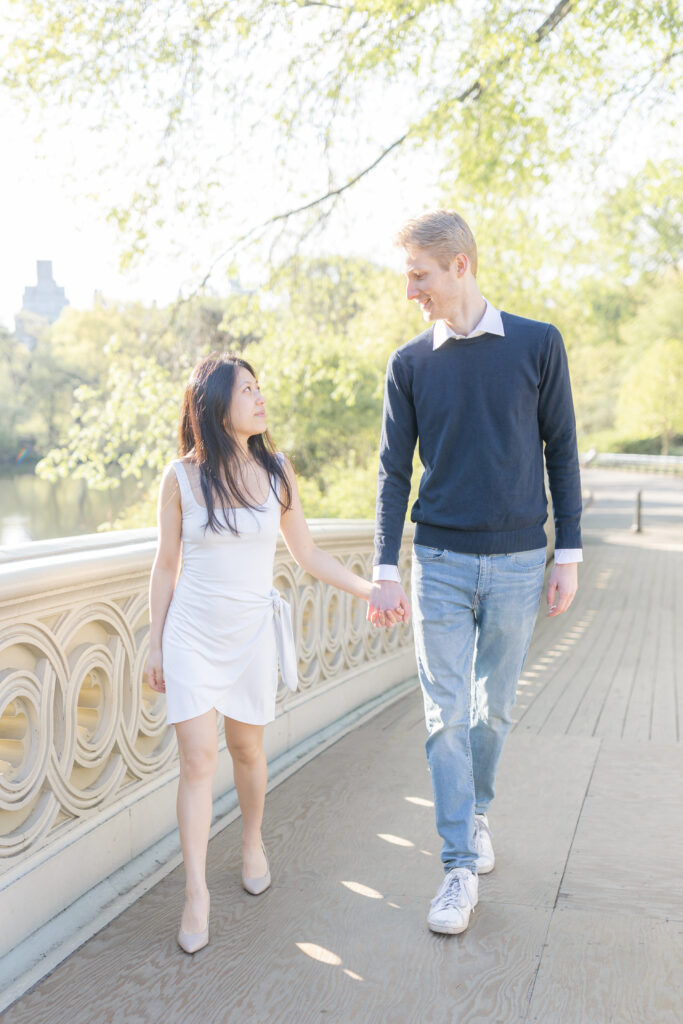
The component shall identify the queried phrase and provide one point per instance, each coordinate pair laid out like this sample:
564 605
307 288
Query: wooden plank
664 727
610 722
541 674
677 604
626 624
550 671
625 600
541 786
599 676
580 679
552 638
638 718
556 677
628 849
663 722
618 581
599 967
404 715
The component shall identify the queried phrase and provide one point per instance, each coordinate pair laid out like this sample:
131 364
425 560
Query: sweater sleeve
558 432
396 448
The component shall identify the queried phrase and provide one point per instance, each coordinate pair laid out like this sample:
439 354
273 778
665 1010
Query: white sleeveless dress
226 625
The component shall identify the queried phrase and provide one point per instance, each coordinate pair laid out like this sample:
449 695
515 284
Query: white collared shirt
490 323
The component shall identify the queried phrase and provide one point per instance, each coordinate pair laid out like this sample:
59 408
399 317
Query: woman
215 627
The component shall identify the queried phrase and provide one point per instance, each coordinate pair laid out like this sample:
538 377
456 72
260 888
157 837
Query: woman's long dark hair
205 434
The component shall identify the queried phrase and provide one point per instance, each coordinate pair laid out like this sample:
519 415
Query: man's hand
562 587
388 604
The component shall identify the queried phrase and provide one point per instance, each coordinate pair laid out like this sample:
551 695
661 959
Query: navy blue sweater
482 409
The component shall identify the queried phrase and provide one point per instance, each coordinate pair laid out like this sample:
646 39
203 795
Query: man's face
437 291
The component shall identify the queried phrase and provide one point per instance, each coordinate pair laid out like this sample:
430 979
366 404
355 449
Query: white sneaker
457 896
486 860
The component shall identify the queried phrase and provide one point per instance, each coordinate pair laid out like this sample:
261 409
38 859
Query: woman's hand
387 604
154 672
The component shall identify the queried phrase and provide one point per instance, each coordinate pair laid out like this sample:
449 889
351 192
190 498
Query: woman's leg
198 748
245 743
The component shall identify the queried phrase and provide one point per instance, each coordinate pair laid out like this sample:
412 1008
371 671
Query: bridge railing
646 463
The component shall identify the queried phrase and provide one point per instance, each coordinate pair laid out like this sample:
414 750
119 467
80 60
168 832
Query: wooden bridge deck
580 923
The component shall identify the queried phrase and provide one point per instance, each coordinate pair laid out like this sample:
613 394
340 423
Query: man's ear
461 263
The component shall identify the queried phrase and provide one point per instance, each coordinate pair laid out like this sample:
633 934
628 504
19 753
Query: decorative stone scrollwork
79 727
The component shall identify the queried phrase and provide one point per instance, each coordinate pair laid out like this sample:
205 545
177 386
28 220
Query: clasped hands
387 604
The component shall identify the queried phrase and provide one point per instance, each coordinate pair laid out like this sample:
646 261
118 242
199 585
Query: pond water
35 509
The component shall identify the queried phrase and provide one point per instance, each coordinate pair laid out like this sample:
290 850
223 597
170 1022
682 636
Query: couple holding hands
486 395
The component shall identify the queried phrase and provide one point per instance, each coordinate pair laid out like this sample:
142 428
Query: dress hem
214 707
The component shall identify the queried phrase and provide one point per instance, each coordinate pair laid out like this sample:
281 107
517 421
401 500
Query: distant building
43 302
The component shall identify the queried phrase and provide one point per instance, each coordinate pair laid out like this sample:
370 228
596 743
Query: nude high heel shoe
258 885
191 942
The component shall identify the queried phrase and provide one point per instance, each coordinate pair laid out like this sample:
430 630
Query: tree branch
330 194
558 14
634 93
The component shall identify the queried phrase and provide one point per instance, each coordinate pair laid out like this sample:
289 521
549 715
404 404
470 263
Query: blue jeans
473 618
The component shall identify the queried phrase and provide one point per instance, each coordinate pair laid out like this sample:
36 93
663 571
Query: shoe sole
485 870
444 929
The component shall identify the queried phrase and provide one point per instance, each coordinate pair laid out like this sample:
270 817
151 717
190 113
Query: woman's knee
245 746
198 764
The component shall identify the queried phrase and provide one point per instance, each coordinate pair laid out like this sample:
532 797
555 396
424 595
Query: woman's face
247 407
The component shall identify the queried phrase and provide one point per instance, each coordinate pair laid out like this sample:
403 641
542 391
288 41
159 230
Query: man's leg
443 588
506 612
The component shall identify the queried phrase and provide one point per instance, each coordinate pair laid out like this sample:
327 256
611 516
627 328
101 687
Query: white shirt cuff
385 572
563 556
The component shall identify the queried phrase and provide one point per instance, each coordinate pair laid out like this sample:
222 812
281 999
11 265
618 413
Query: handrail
626 460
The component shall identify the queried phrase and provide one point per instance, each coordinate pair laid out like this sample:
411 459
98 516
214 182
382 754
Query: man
482 392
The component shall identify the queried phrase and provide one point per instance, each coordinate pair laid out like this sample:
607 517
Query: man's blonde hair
444 233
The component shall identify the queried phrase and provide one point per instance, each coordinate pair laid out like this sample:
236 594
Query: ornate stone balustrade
87 763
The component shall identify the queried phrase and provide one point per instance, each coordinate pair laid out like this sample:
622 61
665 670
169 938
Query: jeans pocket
533 559
427 554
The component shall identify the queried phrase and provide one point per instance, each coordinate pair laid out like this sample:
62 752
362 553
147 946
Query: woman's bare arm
164 572
311 558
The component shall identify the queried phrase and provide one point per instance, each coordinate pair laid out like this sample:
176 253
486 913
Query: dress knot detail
284 639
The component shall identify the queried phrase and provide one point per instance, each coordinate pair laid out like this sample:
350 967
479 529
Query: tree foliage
322 357
123 367
324 90
650 395
102 389
318 338
14 367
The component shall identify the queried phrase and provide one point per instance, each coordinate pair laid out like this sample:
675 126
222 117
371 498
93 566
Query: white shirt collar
490 323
